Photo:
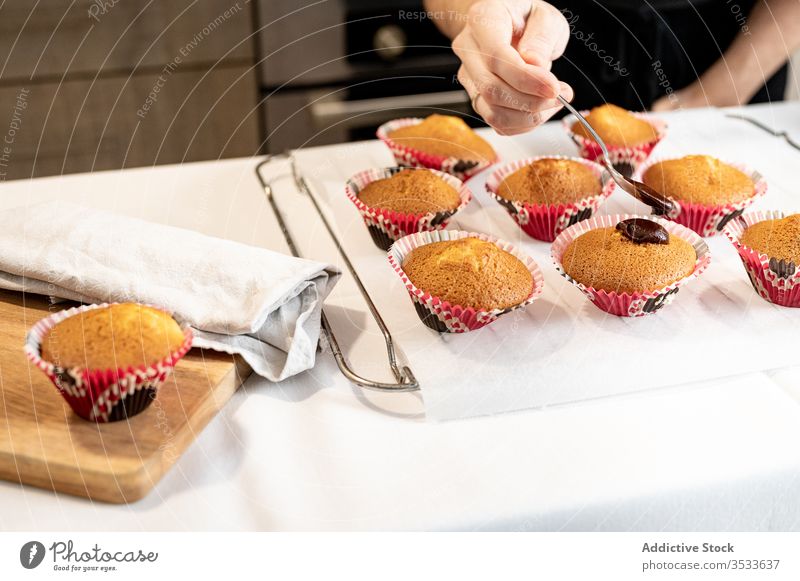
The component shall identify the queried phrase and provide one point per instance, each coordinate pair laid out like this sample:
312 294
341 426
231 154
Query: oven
333 71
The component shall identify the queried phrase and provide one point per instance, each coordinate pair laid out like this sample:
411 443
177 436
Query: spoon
660 203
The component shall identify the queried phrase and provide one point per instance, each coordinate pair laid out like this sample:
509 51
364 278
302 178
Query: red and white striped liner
631 304
546 221
94 393
633 156
774 280
395 225
410 157
456 318
705 219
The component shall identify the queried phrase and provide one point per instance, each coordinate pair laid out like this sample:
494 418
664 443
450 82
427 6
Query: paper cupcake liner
546 221
631 304
439 314
624 159
102 395
777 281
410 157
386 226
706 219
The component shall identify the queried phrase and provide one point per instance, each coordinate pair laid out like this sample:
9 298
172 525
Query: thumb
545 35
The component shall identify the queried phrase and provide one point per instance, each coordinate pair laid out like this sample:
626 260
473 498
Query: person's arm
768 37
506 49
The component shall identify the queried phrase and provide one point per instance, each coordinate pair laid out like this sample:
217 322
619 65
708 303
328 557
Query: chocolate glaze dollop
642 231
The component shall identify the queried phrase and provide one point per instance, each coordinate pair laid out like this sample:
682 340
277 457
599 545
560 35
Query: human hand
506 49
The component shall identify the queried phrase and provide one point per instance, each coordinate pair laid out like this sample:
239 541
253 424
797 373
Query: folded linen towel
240 299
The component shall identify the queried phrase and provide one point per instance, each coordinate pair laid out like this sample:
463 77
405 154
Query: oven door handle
362 112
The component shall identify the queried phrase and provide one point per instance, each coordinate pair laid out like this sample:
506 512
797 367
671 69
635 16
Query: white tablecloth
315 452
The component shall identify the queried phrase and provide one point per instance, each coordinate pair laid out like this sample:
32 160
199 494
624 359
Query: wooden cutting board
43 443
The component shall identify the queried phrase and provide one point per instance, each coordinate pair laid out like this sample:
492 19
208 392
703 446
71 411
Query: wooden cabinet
100 84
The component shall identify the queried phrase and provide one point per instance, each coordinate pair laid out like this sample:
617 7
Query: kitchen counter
315 452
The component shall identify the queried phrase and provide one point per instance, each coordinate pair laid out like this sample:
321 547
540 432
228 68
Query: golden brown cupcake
550 181
700 179
411 191
635 256
778 239
114 337
446 136
617 127
469 272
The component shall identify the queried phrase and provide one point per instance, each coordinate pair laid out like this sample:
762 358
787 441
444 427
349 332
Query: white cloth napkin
240 299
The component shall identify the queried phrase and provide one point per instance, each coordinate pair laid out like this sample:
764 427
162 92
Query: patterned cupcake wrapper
439 314
625 159
386 226
631 304
708 220
546 221
410 157
777 281
102 395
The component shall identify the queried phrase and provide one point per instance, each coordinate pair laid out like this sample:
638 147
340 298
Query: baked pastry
617 127
118 336
550 181
108 361
394 202
411 191
700 179
769 245
779 238
469 272
635 256
444 135
544 195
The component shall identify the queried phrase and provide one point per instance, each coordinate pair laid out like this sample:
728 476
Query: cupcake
769 246
629 137
108 360
395 202
461 281
629 265
707 192
546 194
440 142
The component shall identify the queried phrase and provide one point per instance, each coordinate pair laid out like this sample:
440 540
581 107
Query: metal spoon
660 203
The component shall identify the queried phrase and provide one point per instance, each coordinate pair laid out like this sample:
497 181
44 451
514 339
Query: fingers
492 29
566 91
510 121
504 109
545 36
512 95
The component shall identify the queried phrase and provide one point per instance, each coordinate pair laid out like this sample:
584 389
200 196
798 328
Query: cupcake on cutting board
394 202
707 192
108 360
441 142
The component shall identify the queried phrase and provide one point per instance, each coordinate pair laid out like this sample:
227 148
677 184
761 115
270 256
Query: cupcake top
411 191
637 255
699 179
113 337
616 126
469 272
550 181
776 238
447 136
